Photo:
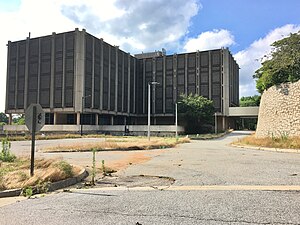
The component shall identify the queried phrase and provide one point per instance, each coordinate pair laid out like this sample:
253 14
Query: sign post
34 120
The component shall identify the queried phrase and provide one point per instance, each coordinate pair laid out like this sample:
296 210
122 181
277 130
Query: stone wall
279 112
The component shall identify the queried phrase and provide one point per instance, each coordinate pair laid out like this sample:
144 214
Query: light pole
149 105
81 119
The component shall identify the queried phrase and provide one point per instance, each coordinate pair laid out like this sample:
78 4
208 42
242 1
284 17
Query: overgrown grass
271 142
27 137
124 143
16 174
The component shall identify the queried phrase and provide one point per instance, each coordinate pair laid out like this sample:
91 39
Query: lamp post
81 119
149 105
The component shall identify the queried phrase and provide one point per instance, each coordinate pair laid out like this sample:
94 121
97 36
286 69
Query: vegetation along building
74 73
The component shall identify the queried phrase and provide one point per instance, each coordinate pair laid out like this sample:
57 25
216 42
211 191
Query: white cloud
249 58
210 40
133 25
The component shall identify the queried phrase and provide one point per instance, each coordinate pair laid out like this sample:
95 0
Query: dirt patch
132 159
135 181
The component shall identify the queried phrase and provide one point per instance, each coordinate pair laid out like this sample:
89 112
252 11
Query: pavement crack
181 216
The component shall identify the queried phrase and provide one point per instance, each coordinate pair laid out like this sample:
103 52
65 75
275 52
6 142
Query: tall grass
271 142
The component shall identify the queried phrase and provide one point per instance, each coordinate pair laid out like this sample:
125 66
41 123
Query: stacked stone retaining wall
279 111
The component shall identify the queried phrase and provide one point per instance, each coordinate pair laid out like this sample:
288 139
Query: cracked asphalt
213 165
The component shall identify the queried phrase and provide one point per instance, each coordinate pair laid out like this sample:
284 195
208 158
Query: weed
5 154
66 168
27 192
94 166
103 168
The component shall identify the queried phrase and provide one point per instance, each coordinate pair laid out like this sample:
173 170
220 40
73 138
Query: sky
246 27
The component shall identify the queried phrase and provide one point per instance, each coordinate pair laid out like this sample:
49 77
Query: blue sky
246 27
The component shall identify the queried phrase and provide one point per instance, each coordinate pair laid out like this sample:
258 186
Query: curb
52 186
279 150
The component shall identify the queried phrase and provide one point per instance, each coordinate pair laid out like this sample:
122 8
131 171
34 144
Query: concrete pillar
101 75
209 76
164 84
79 68
117 79
9 119
112 120
78 118
186 74
96 119
52 71
144 86
26 72
64 72
93 74
39 73
55 118
224 123
175 78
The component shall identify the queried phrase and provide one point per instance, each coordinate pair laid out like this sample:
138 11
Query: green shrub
5 154
66 168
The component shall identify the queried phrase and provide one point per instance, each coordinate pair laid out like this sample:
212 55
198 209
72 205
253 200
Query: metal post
149 111
33 140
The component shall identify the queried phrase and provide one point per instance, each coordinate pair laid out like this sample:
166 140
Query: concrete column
209 75
198 73
64 72
93 73
154 86
134 86
9 119
101 75
52 71
112 120
78 118
96 119
117 79
7 75
123 79
39 74
174 77
128 85
109 71
144 86
224 123
55 118
79 68
164 84
16 74
26 72
186 74
225 83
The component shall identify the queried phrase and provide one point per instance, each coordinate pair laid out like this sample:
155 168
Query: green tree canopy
195 113
250 101
282 65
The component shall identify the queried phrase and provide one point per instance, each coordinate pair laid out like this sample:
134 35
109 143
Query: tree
19 120
195 113
3 118
281 65
250 101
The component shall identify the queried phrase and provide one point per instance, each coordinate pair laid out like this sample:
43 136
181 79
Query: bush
66 168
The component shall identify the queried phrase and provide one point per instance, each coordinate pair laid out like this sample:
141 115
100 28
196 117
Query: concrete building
78 78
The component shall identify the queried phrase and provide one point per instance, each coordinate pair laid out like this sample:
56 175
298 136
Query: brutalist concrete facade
63 71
